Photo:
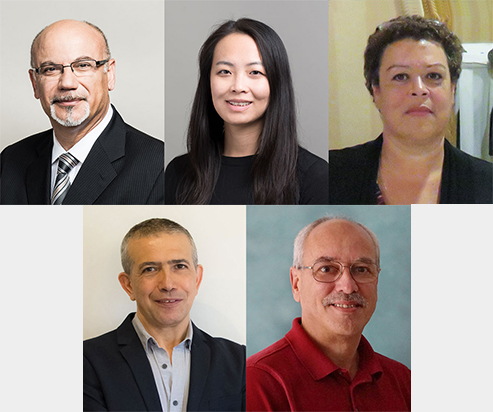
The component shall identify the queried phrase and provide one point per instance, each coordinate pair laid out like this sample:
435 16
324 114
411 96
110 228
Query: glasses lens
326 271
84 67
364 272
50 70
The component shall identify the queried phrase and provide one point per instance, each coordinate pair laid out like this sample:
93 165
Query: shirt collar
317 363
81 149
147 340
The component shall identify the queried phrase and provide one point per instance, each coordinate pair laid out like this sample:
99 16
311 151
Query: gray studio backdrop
135 32
302 26
270 305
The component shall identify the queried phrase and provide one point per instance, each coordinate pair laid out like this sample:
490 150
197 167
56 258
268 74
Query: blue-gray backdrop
270 305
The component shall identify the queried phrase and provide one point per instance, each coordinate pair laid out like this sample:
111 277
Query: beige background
353 118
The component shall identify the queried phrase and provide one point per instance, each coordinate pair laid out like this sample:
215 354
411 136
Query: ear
198 280
32 77
376 96
295 282
111 74
126 283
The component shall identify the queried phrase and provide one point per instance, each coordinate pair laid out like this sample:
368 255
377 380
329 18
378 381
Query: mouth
344 306
419 111
168 302
239 105
67 100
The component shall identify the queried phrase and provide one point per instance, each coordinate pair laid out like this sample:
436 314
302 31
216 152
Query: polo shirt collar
319 365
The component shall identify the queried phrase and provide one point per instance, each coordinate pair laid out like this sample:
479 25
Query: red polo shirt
293 374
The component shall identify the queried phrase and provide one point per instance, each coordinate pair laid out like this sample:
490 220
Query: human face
239 86
163 280
415 96
345 242
69 100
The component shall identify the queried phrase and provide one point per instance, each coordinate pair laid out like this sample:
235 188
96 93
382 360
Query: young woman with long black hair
242 139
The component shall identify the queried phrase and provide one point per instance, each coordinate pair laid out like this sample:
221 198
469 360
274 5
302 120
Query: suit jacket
124 166
118 377
353 174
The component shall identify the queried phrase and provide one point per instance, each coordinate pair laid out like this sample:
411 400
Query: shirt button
175 403
164 366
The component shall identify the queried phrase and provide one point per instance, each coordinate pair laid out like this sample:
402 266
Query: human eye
83 65
327 268
149 270
400 77
257 73
223 72
49 70
360 268
435 76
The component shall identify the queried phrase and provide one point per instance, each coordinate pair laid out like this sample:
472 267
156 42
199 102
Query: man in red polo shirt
324 363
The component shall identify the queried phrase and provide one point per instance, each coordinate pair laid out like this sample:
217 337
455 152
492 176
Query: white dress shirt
172 379
80 150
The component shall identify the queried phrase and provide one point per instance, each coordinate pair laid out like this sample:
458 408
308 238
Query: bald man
90 156
324 363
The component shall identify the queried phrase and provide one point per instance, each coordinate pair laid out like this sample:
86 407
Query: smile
240 104
340 305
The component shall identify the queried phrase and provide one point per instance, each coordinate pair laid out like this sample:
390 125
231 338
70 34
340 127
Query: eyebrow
398 66
232 65
177 261
331 259
50 62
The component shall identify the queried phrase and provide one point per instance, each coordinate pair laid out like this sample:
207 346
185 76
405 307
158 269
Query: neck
69 136
409 149
241 140
168 337
341 350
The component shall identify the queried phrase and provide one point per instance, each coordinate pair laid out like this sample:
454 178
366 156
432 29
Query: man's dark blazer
124 166
118 377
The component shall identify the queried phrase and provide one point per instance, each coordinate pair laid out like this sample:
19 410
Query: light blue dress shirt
172 378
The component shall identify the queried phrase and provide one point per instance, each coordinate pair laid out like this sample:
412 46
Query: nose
418 87
346 283
165 282
239 84
68 80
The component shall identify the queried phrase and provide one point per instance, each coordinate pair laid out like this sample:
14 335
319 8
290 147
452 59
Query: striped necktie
66 162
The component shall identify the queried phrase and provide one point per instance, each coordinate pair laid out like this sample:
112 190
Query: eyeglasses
80 68
328 271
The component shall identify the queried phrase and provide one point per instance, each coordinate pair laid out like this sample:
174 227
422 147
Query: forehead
410 52
238 46
161 247
66 40
339 239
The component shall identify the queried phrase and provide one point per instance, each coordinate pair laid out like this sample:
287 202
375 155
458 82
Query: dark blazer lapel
199 369
133 352
38 174
98 170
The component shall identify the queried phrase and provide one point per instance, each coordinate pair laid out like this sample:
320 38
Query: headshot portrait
73 71
247 119
407 144
195 354
317 307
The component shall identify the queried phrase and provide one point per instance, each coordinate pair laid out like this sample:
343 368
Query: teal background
270 305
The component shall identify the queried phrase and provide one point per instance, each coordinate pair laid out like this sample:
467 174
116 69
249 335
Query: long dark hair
274 171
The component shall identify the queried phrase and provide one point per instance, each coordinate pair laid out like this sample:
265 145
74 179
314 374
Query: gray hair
106 53
299 241
154 227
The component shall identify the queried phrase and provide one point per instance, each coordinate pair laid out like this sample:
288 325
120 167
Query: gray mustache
66 98
354 298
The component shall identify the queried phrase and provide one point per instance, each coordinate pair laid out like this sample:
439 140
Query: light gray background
270 305
219 233
303 28
135 32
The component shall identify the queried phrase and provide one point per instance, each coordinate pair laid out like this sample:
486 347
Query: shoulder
478 166
393 367
29 143
178 164
314 178
221 347
271 357
355 155
307 161
142 138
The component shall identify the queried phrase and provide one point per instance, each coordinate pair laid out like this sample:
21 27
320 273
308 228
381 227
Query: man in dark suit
90 156
157 359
